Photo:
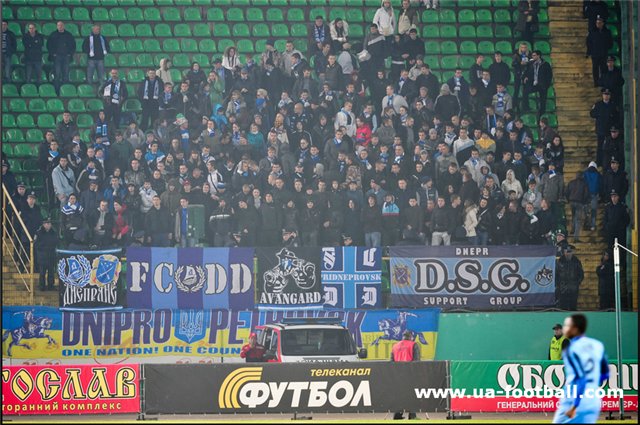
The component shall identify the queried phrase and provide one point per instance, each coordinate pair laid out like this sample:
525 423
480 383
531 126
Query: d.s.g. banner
190 278
90 279
468 278
64 390
298 387
528 386
44 334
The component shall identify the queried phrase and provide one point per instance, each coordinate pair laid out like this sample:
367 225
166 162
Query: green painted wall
524 336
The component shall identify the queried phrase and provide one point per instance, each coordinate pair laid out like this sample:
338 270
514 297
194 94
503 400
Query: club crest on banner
544 276
74 270
401 275
189 278
191 326
105 270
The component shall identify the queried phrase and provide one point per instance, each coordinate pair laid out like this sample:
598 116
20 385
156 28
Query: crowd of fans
327 149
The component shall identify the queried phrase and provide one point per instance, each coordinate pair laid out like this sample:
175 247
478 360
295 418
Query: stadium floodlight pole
616 268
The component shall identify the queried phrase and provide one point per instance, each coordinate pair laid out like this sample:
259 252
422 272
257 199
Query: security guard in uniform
558 343
46 241
406 350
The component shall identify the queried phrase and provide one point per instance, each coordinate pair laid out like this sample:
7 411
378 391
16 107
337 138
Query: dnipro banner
352 277
463 278
194 278
289 278
500 386
295 387
185 336
62 390
90 280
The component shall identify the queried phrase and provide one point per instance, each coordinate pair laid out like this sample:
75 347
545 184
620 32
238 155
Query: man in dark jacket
96 47
9 47
611 78
271 225
100 222
616 220
569 276
319 34
499 70
578 195
45 243
61 46
519 64
158 224
33 43
606 114
149 93
615 180
599 41
441 224
537 79
114 94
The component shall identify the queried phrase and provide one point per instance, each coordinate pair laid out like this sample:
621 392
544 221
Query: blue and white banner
190 278
90 280
473 278
352 277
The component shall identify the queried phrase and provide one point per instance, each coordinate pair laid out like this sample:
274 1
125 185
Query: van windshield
317 342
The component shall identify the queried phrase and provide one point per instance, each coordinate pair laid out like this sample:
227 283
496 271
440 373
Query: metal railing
19 256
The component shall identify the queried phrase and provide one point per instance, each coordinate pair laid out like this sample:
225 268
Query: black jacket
606 115
158 221
98 53
61 43
545 74
45 244
33 47
599 42
11 45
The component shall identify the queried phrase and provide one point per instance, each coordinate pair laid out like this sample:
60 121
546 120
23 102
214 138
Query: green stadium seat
215 14
110 61
68 90
240 30
304 3
126 60
144 60
207 46
369 14
261 45
254 14
47 122
428 31
143 30
316 2
23 150
171 14
503 31
317 11
151 45
448 31
61 14
486 47
126 30
188 45
181 60
15 135
297 30
468 47
246 46
466 16
260 2
76 106
85 29
336 12
529 120
117 14
132 105
37 106
483 16
86 90
192 14
293 15
241 2
151 14
467 31
99 14
502 16
7 13
449 62
449 48
485 31
182 30
128 3
354 15
162 30
356 30
93 105
47 28
8 121
300 45
202 59
108 3
17 74
55 106
72 28
7 149
44 14
135 76
504 47
262 30
15 28
501 3
201 30
543 46
224 43
26 120
235 14
85 120
17 105
117 46
447 16
432 48
221 30
279 2
543 31
32 164
10 90
108 30
175 74
34 135
543 17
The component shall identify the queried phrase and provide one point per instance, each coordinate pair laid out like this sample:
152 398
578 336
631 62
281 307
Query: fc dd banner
289 278
501 386
190 278
41 334
61 390
486 278
90 279
295 387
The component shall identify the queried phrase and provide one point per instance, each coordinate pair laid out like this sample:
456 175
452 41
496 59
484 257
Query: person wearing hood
196 77
230 62
163 73
594 181
511 183
385 19
532 195
447 104
216 88
149 93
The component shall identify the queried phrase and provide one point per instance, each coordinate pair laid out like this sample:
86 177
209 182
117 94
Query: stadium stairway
13 290
574 96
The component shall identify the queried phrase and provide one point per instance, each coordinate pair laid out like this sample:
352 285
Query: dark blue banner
351 277
468 278
190 278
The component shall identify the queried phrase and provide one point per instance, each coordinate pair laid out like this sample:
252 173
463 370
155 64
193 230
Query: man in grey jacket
64 181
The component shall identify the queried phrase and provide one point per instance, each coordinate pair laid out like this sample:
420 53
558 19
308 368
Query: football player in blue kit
585 369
